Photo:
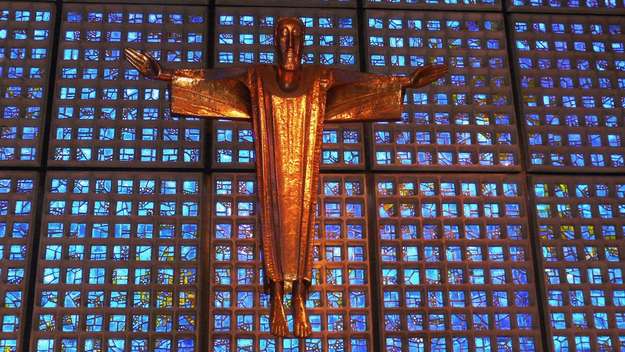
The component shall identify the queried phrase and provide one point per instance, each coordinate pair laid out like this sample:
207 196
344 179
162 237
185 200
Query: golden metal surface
287 106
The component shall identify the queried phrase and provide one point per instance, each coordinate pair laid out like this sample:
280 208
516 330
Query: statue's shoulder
319 72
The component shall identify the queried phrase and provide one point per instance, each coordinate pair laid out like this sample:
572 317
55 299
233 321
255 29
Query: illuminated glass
580 227
308 3
118 263
339 303
25 44
451 248
104 112
245 35
17 195
434 4
566 6
571 72
121 265
466 120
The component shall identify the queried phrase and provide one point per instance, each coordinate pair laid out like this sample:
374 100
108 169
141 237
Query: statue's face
289 41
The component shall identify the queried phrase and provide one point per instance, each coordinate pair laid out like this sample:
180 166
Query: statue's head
289 42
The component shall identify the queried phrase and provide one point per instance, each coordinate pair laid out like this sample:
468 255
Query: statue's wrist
405 82
164 75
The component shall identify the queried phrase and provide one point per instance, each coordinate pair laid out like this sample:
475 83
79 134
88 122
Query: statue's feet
279 326
277 317
301 325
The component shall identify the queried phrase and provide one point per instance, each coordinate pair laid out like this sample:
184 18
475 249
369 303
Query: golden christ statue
288 105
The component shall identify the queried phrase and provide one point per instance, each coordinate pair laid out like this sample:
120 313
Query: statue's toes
302 330
307 330
279 329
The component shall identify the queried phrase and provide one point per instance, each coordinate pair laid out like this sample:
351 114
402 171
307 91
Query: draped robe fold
287 132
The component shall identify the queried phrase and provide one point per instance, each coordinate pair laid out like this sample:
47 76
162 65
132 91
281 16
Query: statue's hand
146 64
426 75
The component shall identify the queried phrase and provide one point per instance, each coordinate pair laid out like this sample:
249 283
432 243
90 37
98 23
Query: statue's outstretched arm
372 97
198 92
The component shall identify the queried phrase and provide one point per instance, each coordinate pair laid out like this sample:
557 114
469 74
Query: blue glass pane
105 113
25 44
463 121
455 263
119 261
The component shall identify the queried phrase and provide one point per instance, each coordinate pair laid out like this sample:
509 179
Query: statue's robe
287 129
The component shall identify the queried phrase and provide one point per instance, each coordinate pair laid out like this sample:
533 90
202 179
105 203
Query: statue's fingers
139 59
133 60
130 57
136 64
131 53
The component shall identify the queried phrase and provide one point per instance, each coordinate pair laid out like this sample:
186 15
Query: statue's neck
289 80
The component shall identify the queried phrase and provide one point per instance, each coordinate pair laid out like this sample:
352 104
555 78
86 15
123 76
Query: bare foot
301 325
277 317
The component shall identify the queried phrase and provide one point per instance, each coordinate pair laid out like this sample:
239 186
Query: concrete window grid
571 72
17 197
286 3
580 229
455 263
484 5
104 113
118 262
466 120
569 6
567 314
26 36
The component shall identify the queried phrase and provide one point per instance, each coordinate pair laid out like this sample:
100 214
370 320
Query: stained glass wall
456 263
26 37
104 112
490 218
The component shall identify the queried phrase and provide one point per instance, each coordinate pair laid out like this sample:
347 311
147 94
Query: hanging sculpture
288 105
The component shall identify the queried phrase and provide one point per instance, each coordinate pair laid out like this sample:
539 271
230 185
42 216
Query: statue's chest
296 122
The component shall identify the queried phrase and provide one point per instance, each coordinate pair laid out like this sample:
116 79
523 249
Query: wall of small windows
464 121
571 73
451 248
579 226
25 52
104 112
490 218
119 253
